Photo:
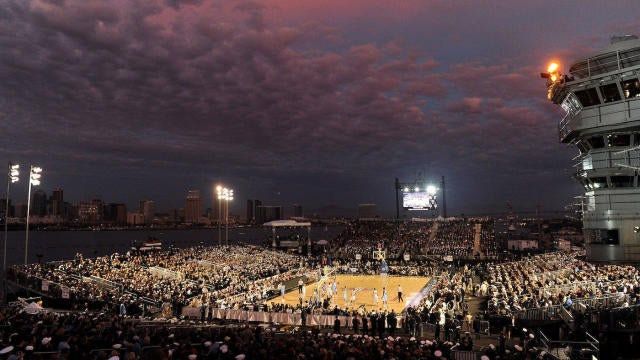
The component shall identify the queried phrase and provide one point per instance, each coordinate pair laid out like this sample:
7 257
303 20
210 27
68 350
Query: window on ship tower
619 140
599 182
588 97
631 88
621 181
596 142
610 93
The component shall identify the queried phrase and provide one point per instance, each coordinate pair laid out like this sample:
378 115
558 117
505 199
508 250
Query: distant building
367 211
115 214
56 203
71 211
90 212
98 204
20 210
38 203
147 209
85 212
297 210
250 216
176 215
193 207
268 213
161 219
135 219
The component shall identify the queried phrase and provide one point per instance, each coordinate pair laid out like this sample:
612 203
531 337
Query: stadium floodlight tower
601 101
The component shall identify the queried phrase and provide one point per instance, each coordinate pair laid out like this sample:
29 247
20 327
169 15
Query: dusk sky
295 101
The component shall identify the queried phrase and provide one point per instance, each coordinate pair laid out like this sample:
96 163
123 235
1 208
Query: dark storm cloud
118 84
106 69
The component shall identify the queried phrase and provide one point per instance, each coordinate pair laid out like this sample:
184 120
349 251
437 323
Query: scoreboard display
420 200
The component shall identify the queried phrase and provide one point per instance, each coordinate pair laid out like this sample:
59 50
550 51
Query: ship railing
625 158
555 289
539 314
607 302
104 282
623 318
567 317
593 116
35 283
566 125
563 348
554 274
165 273
152 302
602 64
244 295
550 266
156 304
557 311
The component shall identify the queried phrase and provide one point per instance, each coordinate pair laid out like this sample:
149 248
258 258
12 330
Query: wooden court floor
361 287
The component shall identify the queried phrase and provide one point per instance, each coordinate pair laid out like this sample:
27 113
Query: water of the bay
63 245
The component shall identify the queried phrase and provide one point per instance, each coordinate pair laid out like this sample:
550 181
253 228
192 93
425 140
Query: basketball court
360 291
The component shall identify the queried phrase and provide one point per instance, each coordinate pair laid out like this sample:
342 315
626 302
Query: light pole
226 195
34 179
219 196
227 198
12 177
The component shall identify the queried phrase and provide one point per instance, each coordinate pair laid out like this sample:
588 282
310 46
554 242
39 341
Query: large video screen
419 201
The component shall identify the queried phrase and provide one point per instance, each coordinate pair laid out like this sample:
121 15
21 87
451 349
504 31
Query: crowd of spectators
557 279
451 237
244 277
100 336
179 276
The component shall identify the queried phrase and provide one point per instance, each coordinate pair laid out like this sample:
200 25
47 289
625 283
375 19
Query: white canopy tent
276 224
286 223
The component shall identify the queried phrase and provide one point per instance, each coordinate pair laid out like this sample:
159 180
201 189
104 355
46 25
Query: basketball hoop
379 255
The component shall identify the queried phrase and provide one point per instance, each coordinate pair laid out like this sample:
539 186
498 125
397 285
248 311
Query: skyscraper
116 214
147 209
91 212
193 207
176 215
256 203
39 203
268 213
57 203
20 210
250 211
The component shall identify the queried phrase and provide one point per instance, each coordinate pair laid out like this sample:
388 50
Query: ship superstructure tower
601 101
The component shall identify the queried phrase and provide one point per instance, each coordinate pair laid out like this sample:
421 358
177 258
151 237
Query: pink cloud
466 105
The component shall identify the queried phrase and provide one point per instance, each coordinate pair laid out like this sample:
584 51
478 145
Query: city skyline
318 103
57 210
